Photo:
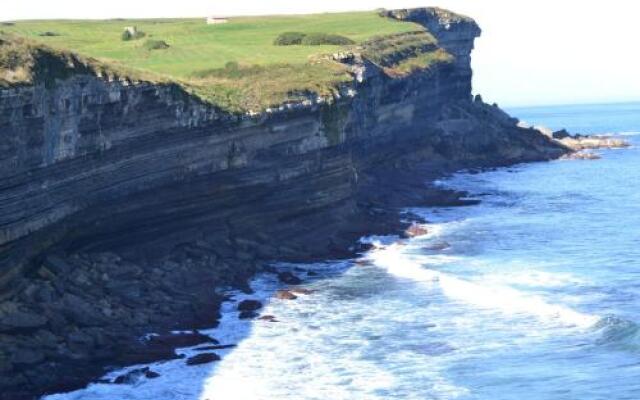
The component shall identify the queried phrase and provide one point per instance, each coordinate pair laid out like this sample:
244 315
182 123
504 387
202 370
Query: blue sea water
534 294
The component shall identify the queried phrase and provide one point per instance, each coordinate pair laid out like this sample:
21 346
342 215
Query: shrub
317 39
311 39
289 38
153 44
10 59
48 33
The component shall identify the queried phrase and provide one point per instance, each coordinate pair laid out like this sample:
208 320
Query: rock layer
123 205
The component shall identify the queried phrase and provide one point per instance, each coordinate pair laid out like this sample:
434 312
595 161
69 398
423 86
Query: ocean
533 294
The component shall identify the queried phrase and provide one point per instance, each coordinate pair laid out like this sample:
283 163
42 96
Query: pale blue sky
531 52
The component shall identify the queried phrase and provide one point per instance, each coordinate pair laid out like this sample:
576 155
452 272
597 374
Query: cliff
123 204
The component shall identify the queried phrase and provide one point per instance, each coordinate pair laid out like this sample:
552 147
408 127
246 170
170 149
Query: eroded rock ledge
123 206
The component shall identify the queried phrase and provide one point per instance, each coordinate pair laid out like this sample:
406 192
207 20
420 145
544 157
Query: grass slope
199 56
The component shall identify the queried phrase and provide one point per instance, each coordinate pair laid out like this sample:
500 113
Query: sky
532 52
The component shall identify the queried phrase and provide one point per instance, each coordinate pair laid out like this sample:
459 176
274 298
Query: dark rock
151 374
249 305
180 340
21 321
27 356
289 278
561 134
134 375
218 347
81 312
268 318
203 358
57 265
247 315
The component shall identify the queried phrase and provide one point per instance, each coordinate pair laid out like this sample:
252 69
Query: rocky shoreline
83 314
127 210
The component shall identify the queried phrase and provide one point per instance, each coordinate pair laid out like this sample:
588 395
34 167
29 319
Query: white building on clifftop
216 20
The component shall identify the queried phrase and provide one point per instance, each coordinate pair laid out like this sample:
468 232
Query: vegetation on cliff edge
234 65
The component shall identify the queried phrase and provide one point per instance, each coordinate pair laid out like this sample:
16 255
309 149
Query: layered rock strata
122 206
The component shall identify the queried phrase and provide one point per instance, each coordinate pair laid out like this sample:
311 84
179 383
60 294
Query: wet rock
249 305
268 318
247 315
312 273
416 230
203 358
289 278
285 295
151 374
134 375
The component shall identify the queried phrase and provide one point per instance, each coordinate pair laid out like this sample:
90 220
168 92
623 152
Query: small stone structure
132 30
216 20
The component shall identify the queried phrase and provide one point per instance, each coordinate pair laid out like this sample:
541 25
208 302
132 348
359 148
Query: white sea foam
482 294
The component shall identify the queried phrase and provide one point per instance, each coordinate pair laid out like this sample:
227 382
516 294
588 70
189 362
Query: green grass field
195 47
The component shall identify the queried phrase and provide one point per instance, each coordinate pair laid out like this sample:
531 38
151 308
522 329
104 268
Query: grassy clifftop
235 65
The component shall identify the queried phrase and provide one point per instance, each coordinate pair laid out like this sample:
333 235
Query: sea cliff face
117 198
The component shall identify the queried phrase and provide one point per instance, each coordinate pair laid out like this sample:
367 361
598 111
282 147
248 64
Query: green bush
289 39
153 44
317 39
311 39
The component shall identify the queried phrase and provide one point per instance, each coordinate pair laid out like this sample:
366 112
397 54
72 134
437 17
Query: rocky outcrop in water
122 205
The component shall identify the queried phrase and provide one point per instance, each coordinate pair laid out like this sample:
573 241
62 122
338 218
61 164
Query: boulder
27 357
416 230
249 305
151 374
561 134
203 358
134 375
289 278
21 321
285 295
247 315
180 340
